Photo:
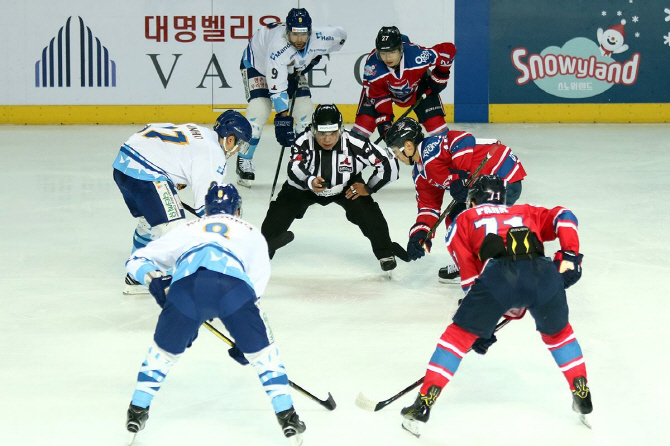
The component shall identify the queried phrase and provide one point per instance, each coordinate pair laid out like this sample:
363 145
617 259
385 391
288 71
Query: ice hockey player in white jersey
273 68
162 158
220 267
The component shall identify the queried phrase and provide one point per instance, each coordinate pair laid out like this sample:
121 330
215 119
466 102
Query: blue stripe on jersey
147 170
446 359
506 167
464 143
450 232
280 102
566 215
566 353
248 57
213 257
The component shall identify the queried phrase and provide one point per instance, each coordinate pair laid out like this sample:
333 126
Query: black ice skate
134 287
581 400
416 415
136 418
388 263
291 425
245 171
449 274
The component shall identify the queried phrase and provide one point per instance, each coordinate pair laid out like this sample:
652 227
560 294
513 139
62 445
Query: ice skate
388 264
416 415
291 426
449 274
245 171
134 287
136 418
581 400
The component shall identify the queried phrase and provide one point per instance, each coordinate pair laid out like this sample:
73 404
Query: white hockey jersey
220 243
270 52
182 154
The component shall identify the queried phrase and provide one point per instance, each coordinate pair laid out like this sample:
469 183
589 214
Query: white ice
72 343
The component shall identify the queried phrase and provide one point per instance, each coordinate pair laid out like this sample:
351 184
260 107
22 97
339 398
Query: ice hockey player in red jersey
502 247
399 72
441 164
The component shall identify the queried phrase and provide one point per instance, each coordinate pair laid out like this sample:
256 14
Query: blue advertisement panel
579 51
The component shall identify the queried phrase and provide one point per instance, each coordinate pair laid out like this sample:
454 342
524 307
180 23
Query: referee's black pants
364 212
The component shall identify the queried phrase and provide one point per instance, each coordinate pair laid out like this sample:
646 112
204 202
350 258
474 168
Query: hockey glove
284 130
159 285
569 266
481 345
457 188
237 355
418 245
384 126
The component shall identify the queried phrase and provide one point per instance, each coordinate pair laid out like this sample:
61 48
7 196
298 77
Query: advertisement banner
152 52
580 51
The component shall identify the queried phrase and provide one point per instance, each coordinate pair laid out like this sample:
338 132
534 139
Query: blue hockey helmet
486 189
222 199
298 21
231 122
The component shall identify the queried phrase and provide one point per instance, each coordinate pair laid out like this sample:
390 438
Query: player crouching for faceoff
444 163
221 268
325 167
274 67
161 158
502 248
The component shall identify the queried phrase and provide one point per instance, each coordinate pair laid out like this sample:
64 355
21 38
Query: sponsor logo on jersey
258 83
171 204
423 57
344 165
276 54
322 37
370 70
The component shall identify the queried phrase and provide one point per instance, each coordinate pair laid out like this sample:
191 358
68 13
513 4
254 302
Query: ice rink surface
72 343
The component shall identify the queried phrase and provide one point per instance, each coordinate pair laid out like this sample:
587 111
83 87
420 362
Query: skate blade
131 290
295 440
454 281
585 420
412 426
131 437
389 274
244 183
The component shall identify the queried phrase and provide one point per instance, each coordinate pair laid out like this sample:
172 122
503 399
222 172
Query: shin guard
567 353
273 376
452 346
155 368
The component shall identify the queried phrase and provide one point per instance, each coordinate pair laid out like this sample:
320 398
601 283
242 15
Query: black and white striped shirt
340 165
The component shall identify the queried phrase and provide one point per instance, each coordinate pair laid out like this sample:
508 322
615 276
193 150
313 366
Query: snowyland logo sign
581 68
577 70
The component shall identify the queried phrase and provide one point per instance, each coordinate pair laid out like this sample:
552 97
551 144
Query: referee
325 167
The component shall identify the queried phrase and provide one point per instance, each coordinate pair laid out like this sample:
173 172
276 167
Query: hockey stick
328 403
281 154
469 181
407 112
366 403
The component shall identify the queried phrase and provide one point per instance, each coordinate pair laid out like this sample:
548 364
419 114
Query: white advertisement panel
82 52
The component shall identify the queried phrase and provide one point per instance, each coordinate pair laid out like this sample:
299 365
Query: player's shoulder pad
459 140
374 67
416 55
279 48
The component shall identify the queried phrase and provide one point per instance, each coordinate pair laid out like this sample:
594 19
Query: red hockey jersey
385 86
466 233
441 160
